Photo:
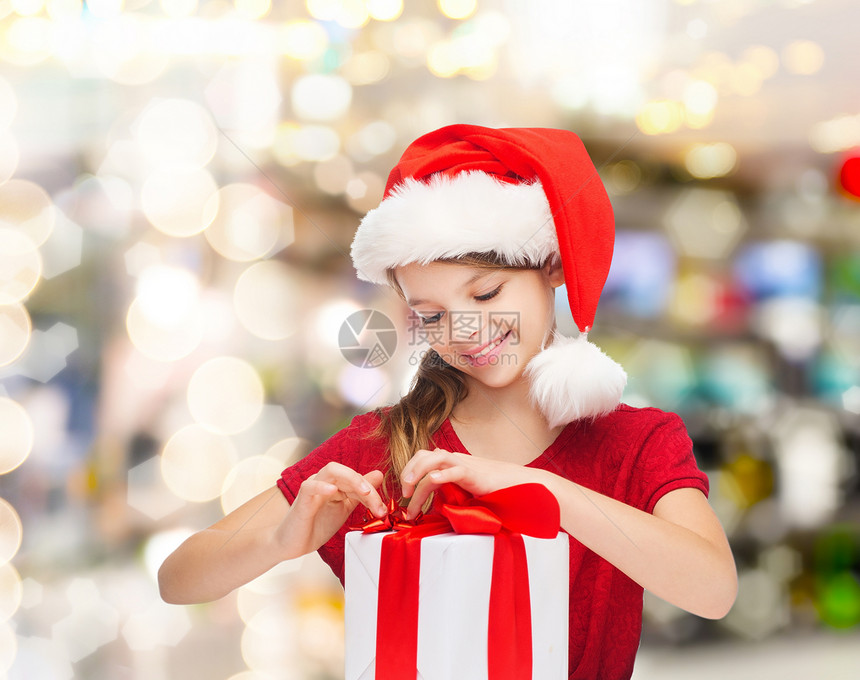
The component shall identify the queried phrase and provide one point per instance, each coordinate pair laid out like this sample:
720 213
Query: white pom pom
573 379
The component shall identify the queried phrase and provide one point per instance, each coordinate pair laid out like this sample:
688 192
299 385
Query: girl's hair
436 388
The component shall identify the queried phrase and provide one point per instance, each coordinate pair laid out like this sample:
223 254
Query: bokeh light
705 161
458 9
761 608
9 155
8 647
373 139
385 10
266 300
253 9
8 104
28 40
27 207
660 117
64 10
622 177
26 8
642 274
326 323
304 40
167 295
793 324
255 474
365 68
332 175
15 329
20 266
780 268
11 532
836 134
18 434
260 646
249 478
225 395
294 143
705 223
156 625
147 491
364 191
178 9
92 623
803 57
105 9
163 343
195 461
176 134
319 97
810 463
248 224
180 203
121 53
64 248
763 58
700 101
837 587
363 387
10 591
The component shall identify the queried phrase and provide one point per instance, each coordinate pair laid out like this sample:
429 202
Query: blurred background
179 185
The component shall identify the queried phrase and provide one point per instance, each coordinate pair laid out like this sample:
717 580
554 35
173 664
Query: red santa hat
528 195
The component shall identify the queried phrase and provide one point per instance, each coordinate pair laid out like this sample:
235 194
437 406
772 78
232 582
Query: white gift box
454 597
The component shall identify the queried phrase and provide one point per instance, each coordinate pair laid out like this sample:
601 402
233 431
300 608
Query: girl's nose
466 327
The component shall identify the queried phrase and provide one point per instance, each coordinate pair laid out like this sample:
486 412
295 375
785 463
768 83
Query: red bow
507 514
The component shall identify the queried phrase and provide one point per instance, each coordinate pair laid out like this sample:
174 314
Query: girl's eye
482 298
489 296
430 319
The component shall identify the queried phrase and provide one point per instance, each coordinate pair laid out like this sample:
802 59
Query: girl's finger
351 485
421 464
428 484
318 487
354 485
313 493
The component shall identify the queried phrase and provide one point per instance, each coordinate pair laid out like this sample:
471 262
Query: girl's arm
264 532
680 552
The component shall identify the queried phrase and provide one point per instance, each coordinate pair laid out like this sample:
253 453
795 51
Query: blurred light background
180 181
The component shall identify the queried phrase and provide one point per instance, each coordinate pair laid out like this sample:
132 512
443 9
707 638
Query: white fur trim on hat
573 379
451 216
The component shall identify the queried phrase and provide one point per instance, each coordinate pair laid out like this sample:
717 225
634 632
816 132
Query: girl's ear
554 272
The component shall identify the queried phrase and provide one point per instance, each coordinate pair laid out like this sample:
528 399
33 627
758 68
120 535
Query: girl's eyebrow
472 279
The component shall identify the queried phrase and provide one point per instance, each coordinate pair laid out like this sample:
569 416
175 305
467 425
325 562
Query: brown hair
436 388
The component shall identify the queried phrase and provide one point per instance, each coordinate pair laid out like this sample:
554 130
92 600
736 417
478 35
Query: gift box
454 590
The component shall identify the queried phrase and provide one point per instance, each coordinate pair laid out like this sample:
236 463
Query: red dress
633 455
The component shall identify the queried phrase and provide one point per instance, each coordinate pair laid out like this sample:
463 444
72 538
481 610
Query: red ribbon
507 514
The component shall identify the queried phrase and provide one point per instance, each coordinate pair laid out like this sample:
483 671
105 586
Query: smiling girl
477 229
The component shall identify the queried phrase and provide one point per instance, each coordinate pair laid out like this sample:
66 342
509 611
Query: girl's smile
484 354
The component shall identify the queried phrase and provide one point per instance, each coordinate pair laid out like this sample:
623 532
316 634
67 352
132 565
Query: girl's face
486 322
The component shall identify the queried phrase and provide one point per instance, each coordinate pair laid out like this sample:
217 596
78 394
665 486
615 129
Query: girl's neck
487 406
500 425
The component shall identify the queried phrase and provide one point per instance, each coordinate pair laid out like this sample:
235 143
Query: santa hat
528 195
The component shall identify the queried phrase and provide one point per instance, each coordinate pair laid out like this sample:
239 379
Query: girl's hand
427 470
324 502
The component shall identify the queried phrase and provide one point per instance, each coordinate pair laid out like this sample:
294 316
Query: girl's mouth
483 357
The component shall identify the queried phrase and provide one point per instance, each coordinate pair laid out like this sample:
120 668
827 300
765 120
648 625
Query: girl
476 230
